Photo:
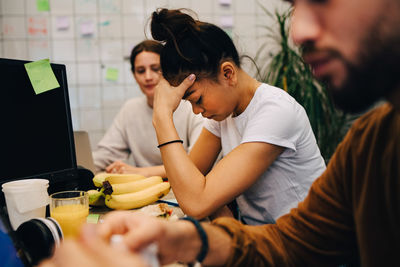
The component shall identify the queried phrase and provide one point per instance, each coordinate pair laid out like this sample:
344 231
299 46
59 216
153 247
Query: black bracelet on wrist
170 142
203 237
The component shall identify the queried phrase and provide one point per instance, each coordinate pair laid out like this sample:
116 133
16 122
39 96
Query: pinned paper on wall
226 21
62 23
225 2
105 23
41 76
112 74
87 28
37 26
42 5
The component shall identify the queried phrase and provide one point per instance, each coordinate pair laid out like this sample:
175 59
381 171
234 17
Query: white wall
115 26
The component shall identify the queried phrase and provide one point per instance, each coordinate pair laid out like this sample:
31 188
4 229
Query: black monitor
36 137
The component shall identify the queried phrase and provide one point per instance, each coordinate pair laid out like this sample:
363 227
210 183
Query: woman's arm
200 195
122 167
205 151
197 194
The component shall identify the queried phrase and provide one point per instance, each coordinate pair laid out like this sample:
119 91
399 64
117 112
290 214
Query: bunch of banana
126 191
115 178
137 199
131 187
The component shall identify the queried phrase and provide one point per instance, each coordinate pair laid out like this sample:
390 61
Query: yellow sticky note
42 5
41 76
93 218
112 74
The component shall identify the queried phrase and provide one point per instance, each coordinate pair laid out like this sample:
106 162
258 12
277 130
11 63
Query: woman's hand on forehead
168 97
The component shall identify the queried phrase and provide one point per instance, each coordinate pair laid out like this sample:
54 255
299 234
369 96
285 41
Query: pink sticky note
87 28
226 21
62 23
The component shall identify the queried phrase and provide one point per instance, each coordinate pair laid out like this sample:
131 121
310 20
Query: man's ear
229 72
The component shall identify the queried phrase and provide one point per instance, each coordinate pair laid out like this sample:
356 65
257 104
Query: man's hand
91 251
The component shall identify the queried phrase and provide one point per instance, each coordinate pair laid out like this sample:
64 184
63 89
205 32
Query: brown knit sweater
352 212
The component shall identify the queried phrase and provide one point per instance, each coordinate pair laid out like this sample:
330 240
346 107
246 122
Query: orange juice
70 217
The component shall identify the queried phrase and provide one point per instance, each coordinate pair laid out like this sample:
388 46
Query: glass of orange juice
69 209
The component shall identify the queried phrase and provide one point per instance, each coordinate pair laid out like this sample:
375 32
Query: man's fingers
147 233
94 243
114 223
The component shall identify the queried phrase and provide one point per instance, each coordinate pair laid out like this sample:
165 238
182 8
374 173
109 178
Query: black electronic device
32 242
36 139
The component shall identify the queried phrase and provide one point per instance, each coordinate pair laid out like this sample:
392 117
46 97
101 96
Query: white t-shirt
273 117
132 134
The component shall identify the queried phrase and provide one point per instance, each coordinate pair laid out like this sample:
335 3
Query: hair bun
157 27
171 24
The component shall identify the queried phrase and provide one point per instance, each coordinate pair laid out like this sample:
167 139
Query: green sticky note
41 75
112 74
42 5
229 32
92 218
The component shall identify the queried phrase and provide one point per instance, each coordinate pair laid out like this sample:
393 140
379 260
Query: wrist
162 120
160 114
201 236
189 242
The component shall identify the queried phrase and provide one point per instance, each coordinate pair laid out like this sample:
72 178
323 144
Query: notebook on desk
83 150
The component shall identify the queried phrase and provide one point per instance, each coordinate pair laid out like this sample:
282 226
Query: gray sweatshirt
132 134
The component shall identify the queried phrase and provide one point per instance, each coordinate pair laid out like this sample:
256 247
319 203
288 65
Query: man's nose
305 26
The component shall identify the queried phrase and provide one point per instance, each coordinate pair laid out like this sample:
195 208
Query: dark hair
147 45
191 46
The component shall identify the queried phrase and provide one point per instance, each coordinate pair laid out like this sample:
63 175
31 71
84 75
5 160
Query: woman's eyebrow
187 94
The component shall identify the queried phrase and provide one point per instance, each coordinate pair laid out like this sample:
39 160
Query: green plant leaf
288 70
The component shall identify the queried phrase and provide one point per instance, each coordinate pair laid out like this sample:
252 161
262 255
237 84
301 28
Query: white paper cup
26 199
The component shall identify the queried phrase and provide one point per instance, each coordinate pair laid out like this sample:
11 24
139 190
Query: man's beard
375 76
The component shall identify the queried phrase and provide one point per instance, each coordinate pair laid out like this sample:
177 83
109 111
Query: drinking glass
69 209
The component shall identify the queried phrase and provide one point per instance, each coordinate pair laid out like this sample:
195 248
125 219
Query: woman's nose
149 75
197 109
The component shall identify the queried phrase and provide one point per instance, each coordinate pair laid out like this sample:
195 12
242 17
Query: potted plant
288 71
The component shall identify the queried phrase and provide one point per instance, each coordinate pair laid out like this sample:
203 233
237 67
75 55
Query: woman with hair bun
131 135
270 154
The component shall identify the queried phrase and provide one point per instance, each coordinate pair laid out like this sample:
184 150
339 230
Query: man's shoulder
376 116
375 126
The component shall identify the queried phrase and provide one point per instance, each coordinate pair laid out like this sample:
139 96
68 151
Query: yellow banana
137 199
96 198
115 178
135 186
99 178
